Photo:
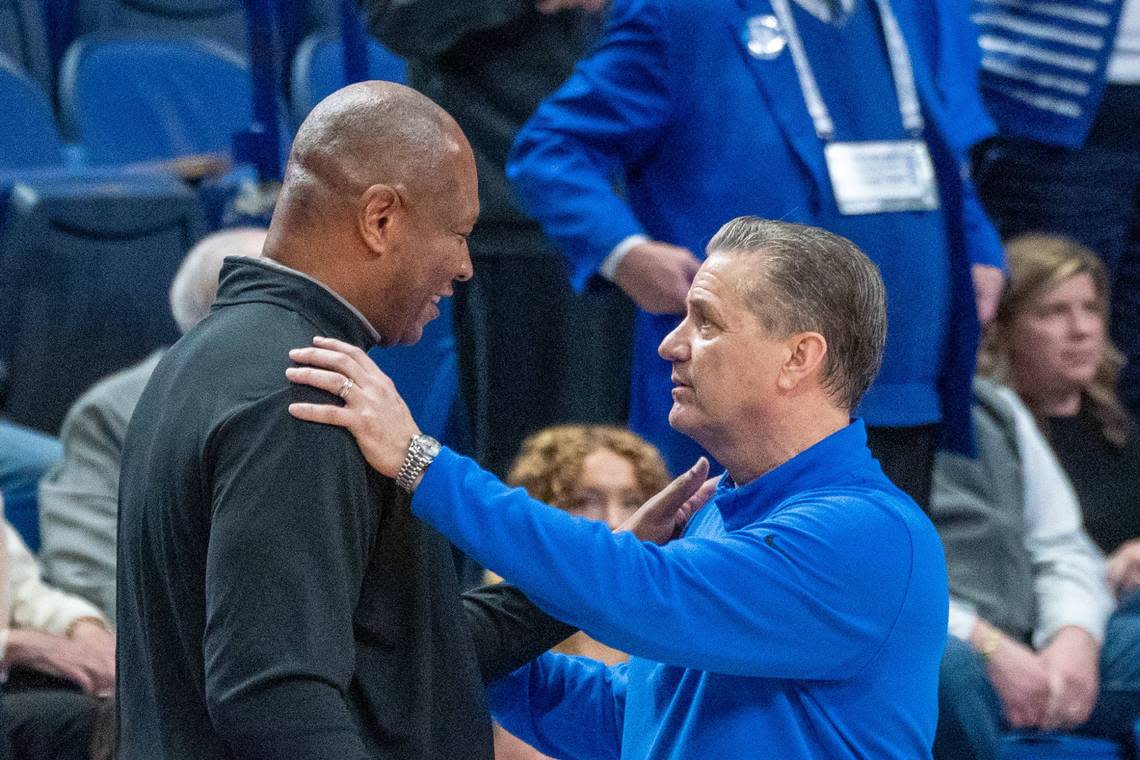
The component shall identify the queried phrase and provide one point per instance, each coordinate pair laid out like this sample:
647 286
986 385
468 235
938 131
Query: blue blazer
700 131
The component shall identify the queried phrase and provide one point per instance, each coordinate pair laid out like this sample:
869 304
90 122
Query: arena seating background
129 129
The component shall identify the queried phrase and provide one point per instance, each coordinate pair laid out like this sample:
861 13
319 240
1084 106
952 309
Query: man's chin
679 417
410 335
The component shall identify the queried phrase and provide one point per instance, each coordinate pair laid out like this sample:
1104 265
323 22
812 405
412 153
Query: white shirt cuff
962 620
610 262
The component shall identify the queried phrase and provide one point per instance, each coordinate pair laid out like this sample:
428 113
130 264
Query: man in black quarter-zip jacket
275 597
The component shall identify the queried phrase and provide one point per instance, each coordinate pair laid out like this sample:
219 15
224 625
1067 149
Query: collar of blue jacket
837 457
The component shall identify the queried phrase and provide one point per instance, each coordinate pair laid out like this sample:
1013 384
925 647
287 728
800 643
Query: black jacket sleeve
509 630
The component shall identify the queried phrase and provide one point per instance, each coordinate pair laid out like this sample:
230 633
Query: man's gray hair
812 280
195 285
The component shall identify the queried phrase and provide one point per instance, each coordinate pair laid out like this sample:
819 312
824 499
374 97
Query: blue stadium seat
86 266
1049 746
23 40
129 99
220 21
318 69
28 136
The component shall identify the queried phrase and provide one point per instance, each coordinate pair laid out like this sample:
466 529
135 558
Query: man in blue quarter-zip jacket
800 614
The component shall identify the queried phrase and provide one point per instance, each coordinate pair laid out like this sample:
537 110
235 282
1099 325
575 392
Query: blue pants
1091 194
25 455
970 716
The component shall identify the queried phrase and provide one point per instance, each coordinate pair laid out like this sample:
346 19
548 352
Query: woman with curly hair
593 471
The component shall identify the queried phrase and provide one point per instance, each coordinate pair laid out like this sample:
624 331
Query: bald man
276 599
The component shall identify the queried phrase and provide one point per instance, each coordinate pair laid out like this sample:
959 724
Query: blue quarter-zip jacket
802 615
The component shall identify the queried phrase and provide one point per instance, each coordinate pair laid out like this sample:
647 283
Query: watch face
429 445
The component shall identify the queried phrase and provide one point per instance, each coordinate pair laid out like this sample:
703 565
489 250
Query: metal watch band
421 453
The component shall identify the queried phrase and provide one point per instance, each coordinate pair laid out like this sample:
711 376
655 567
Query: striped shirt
1043 63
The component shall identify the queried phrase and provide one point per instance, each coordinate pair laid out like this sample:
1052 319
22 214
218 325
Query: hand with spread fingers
664 516
373 410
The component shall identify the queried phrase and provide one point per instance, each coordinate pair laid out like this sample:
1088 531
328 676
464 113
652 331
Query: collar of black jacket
247 280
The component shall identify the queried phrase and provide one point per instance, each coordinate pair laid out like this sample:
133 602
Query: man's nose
673 347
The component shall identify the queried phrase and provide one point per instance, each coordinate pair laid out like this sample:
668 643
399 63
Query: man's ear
382 212
806 354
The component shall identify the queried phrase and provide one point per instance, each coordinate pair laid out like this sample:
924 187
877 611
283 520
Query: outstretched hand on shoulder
373 410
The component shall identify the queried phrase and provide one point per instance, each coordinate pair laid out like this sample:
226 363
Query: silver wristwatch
421 451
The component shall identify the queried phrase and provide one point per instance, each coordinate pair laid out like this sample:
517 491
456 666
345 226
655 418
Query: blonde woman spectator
1049 343
1038 640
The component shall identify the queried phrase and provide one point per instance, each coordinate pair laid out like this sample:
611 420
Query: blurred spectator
59 652
710 112
594 471
1049 343
25 455
1062 80
531 353
1027 583
79 497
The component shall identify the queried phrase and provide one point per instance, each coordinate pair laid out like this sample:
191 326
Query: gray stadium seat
86 267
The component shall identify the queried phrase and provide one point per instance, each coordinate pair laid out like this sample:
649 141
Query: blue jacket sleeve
957 63
600 122
548 701
810 593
